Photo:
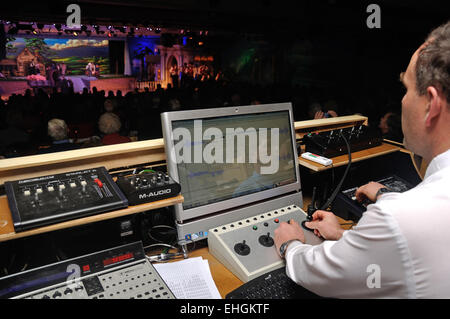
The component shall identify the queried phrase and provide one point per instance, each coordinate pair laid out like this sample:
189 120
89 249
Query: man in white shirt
399 248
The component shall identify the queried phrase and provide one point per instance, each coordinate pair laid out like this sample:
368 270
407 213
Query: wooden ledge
7 228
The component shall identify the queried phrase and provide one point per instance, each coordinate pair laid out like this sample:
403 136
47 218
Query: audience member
109 124
58 131
391 127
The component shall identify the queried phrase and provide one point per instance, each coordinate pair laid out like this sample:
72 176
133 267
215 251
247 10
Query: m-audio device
246 247
330 143
148 187
45 200
122 272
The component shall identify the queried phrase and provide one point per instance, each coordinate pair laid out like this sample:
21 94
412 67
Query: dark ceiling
252 16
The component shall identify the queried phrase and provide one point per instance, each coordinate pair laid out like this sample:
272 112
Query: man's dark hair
433 63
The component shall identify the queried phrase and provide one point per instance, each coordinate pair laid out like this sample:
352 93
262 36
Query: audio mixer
147 187
246 247
54 198
119 273
330 143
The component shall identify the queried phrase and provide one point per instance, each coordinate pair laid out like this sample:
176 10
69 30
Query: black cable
338 187
311 208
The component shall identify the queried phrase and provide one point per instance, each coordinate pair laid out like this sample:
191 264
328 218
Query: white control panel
246 247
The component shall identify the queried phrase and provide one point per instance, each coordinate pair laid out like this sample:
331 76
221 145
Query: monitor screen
232 156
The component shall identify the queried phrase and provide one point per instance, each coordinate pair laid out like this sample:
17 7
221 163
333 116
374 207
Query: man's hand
287 232
368 191
325 225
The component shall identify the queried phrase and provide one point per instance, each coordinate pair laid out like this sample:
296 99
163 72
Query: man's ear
434 106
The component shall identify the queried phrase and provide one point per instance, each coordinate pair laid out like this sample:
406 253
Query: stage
19 85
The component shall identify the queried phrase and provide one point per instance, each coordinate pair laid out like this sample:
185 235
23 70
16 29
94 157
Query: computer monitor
231 163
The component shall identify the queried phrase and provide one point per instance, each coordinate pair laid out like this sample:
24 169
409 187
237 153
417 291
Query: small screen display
117 259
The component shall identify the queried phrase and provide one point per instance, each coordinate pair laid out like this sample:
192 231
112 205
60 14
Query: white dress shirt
400 248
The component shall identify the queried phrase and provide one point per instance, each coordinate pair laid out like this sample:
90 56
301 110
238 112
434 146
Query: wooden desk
7 228
382 149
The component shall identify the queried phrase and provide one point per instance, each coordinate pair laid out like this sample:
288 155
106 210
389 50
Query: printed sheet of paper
189 279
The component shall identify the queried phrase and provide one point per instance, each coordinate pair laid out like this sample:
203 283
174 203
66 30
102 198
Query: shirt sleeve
369 261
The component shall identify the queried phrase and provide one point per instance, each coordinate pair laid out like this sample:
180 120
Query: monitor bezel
167 118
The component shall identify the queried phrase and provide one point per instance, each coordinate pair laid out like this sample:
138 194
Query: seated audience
109 124
58 131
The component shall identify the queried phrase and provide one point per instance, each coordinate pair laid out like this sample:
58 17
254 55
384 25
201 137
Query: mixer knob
242 249
57 294
68 291
266 240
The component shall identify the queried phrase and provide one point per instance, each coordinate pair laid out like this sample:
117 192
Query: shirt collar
438 163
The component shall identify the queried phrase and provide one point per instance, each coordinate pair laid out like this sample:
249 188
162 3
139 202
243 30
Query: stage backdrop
75 53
